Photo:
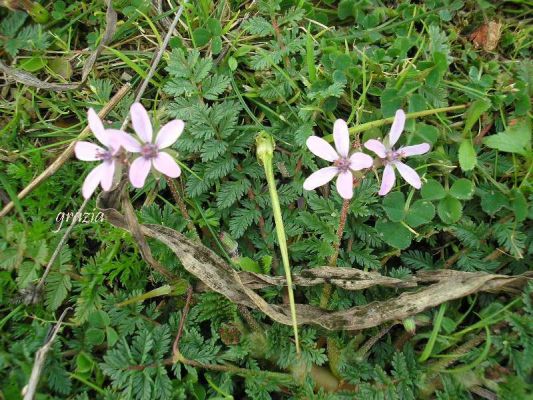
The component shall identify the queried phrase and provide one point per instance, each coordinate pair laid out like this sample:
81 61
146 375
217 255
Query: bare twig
175 345
40 357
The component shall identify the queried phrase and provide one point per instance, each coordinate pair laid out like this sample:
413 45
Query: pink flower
342 161
391 157
150 149
86 151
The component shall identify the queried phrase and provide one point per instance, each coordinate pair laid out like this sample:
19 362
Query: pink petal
345 185
165 164
91 181
387 181
320 177
377 147
396 128
414 150
341 136
139 170
123 139
97 128
141 122
169 133
319 147
108 171
87 151
360 161
409 174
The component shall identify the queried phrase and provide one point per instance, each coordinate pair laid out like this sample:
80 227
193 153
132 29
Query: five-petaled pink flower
343 163
87 151
149 148
392 158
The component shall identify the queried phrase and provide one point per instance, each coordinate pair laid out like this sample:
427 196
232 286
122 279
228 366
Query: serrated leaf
467 155
493 201
450 210
474 112
394 206
432 190
394 234
420 212
201 36
515 139
519 205
231 191
27 273
57 287
462 189
249 265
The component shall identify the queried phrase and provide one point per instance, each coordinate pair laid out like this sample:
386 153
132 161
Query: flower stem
326 292
181 205
265 151
386 121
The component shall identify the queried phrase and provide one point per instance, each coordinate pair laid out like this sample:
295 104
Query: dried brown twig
40 358
217 275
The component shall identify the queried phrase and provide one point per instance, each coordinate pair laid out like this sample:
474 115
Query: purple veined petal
92 180
165 164
341 136
359 161
169 133
345 185
377 147
319 147
139 170
108 172
387 180
87 151
141 122
320 177
122 139
396 128
97 127
414 150
409 174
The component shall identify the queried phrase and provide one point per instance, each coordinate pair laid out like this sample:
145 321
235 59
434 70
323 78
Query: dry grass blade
40 358
212 270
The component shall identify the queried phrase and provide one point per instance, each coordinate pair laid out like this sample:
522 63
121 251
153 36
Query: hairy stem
332 262
181 205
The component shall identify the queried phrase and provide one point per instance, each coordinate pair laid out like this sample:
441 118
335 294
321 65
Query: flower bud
264 146
229 244
409 325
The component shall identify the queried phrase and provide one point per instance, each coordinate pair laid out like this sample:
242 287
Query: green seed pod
229 244
409 325
264 146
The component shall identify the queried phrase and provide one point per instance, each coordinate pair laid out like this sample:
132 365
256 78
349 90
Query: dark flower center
393 155
104 155
342 164
149 150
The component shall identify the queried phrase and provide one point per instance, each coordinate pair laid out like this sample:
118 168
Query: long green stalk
265 151
387 121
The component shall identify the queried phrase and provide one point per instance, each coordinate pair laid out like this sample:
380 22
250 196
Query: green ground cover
136 328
